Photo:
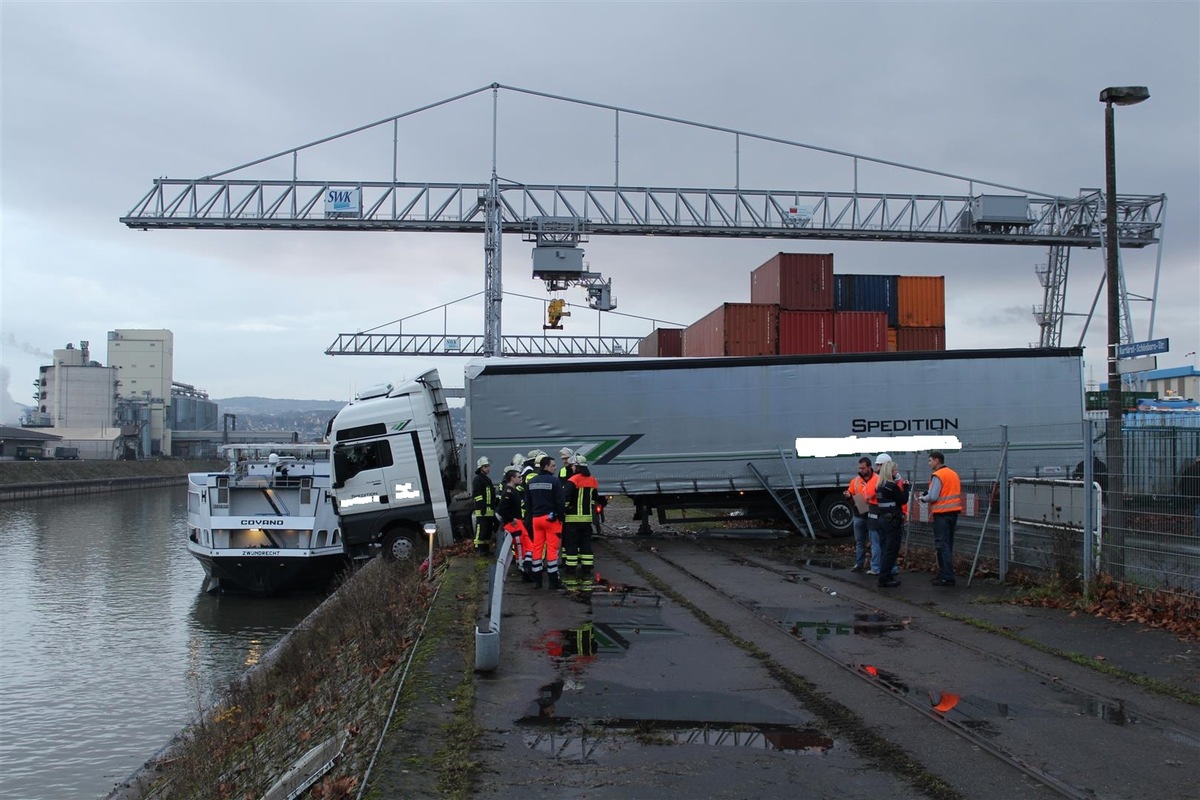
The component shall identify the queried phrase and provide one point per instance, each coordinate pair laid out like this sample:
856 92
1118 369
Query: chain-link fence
1036 489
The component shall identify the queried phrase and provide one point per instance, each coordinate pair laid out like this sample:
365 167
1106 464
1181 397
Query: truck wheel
837 515
400 545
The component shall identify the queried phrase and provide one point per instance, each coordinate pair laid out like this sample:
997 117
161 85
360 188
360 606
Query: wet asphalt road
714 670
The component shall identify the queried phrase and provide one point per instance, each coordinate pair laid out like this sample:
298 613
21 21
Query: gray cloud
100 99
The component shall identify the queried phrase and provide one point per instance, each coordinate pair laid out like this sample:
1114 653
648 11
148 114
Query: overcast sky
100 98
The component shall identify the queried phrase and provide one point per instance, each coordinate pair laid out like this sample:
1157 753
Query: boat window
349 460
222 492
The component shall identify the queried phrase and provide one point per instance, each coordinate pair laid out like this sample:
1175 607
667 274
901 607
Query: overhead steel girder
458 208
448 344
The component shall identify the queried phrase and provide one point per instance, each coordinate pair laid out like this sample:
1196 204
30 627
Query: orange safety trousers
521 542
547 536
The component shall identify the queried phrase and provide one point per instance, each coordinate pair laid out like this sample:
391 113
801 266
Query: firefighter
581 508
484 495
545 502
528 471
508 509
564 457
945 500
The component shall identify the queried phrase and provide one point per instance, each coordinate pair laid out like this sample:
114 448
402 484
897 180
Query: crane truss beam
460 208
475 345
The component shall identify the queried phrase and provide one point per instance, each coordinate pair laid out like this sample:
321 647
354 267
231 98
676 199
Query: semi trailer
689 433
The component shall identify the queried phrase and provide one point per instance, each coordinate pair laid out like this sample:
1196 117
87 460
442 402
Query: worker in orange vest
857 493
945 499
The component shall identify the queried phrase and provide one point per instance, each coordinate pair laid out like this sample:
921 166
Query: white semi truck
684 433
395 469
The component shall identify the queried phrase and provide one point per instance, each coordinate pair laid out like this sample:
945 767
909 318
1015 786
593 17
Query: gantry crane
557 217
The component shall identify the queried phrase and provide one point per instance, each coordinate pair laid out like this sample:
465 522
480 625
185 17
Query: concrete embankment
22 480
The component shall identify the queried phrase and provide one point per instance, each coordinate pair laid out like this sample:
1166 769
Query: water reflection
107 644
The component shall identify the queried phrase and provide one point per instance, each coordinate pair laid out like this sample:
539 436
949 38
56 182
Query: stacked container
921 303
860 331
795 282
734 329
805 332
662 342
867 293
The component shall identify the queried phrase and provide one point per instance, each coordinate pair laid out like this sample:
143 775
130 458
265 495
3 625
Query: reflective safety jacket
858 488
581 496
950 496
484 494
509 507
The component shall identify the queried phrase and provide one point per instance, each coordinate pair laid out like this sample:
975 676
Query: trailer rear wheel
837 515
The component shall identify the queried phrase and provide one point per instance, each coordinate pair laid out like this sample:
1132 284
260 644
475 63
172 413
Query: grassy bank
15 473
355 668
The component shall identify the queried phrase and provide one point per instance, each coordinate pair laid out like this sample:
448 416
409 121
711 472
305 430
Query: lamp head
1124 95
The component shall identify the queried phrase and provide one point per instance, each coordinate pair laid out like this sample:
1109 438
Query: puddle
857 623
597 738
1109 712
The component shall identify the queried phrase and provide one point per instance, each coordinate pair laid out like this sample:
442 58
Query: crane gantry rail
499 206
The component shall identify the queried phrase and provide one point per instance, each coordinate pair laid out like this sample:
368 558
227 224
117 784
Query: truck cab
395 467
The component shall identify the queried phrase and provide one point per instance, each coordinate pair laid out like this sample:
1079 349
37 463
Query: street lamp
1115 96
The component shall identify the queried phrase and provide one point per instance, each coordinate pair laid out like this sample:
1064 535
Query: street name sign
1146 348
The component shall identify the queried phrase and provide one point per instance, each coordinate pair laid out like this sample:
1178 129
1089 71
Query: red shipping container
805 332
734 329
910 339
922 301
860 331
662 342
795 282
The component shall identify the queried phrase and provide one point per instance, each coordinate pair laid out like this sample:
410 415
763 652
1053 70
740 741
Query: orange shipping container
795 282
734 329
805 332
892 344
662 342
922 301
913 339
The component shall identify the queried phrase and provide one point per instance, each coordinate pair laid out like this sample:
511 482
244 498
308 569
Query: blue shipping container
867 293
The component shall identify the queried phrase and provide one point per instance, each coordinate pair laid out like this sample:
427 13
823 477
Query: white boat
266 525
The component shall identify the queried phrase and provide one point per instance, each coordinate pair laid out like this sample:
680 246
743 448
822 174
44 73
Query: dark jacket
544 494
894 493
509 507
484 494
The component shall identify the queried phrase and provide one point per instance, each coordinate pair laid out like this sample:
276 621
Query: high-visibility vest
582 506
871 484
950 497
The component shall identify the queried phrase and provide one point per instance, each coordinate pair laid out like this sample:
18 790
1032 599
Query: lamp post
1119 96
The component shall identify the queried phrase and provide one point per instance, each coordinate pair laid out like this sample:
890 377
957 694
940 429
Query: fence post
1005 528
1089 516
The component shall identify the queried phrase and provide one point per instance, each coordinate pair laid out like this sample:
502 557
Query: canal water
108 646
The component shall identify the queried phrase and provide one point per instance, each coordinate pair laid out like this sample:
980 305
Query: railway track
1066 732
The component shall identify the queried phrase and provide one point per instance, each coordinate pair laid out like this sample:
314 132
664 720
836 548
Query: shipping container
734 329
866 293
922 301
662 342
918 339
805 332
860 331
893 344
795 282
